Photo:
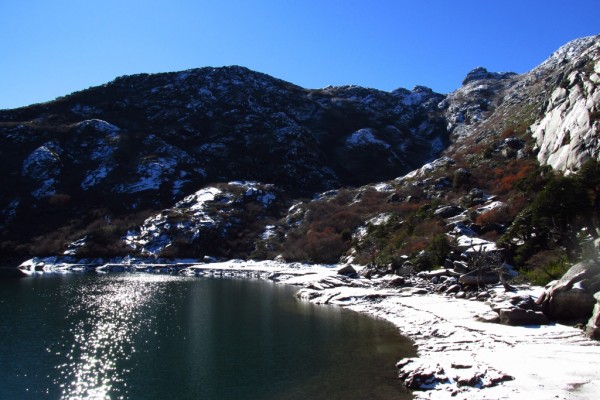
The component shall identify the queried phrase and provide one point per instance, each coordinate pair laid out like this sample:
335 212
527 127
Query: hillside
228 162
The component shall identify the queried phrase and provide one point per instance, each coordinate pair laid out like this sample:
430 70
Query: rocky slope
556 103
227 161
144 142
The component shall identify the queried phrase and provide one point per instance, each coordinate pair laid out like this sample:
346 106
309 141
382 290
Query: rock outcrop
592 328
572 297
567 134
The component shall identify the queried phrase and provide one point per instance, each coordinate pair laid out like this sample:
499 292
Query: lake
150 336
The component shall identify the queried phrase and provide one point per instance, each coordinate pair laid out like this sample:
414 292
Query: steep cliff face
567 133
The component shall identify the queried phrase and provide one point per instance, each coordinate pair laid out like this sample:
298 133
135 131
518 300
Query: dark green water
142 336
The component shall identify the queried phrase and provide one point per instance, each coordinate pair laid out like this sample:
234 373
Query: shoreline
459 356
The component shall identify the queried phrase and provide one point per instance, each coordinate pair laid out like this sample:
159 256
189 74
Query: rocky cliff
567 130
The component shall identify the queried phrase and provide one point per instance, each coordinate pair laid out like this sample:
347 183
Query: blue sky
51 48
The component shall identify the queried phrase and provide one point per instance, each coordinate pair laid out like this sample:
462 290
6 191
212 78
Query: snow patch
439 163
491 206
268 233
186 219
471 244
100 126
383 187
94 177
43 167
377 220
254 190
364 137
151 175
195 202
101 150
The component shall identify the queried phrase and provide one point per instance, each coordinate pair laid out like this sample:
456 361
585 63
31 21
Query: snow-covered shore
459 356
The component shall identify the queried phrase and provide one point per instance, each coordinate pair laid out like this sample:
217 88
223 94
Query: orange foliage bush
497 215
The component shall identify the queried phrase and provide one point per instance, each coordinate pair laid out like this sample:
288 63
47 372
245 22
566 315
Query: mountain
145 141
230 162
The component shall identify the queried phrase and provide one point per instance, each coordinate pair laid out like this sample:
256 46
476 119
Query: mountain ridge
141 143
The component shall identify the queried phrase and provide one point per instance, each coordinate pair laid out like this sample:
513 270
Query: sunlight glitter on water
140 336
102 324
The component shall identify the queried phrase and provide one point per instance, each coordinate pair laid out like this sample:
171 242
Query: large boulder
520 317
347 270
572 297
593 326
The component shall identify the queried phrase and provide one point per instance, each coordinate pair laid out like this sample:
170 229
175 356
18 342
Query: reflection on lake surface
144 336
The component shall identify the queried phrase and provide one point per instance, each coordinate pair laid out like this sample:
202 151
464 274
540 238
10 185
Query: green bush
553 218
545 267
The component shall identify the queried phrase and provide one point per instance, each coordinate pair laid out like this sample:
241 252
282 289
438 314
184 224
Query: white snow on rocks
578 47
196 202
253 190
377 220
490 206
207 210
100 149
43 166
551 361
383 187
159 231
99 125
269 232
544 361
158 168
439 163
151 175
363 137
95 176
471 244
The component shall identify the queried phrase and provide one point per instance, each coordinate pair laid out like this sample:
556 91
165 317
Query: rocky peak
481 73
574 51
476 100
